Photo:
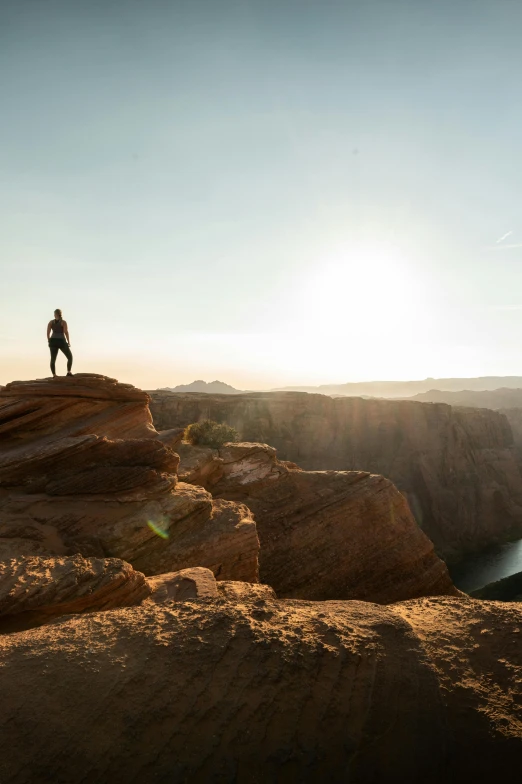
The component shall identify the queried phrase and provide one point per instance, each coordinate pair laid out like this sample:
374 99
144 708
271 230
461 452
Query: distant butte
212 387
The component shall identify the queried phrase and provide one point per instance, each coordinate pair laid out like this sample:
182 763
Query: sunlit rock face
70 482
456 466
82 470
324 534
35 589
230 689
180 665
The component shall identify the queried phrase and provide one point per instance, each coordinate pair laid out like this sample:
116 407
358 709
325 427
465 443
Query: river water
485 567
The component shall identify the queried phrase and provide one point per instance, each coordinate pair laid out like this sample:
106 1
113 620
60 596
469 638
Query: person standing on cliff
58 339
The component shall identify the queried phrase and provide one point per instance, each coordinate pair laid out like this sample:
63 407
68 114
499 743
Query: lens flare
158 530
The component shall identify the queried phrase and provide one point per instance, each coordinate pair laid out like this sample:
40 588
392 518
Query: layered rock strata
34 589
506 401
429 691
82 470
457 467
324 534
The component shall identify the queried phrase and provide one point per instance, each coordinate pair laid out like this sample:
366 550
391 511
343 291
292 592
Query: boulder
187 584
172 438
201 465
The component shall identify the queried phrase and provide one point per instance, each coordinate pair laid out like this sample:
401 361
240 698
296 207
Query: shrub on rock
210 433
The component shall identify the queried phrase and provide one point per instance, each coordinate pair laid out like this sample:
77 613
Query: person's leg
67 351
54 354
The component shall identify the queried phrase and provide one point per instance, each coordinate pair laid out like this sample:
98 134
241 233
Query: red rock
235 591
195 583
172 438
330 534
83 470
457 466
36 589
201 464
429 691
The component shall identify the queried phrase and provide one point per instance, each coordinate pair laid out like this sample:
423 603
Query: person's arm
49 328
66 332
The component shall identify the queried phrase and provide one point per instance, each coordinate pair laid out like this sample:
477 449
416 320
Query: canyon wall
494 398
323 534
72 482
506 401
456 466
514 417
190 670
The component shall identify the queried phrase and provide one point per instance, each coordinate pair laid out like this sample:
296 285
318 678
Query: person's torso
57 329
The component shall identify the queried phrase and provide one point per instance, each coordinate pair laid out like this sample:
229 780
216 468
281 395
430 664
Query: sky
267 192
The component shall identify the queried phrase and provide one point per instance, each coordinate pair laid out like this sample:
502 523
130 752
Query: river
485 567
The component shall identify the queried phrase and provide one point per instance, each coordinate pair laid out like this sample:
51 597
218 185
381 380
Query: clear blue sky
266 192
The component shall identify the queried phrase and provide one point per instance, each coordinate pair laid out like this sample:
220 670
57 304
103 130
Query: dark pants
56 345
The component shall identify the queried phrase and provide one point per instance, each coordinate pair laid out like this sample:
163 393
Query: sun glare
367 290
357 303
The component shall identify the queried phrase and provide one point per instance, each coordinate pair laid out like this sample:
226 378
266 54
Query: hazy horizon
365 382
266 193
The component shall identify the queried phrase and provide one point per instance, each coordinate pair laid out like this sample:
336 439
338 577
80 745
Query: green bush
209 433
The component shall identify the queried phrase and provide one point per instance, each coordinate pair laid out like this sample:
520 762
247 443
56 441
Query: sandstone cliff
219 680
506 401
82 470
66 487
264 690
514 417
503 397
323 534
457 467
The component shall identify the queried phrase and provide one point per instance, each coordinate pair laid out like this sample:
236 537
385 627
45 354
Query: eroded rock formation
324 534
505 400
34 589
199 583
213 690
82 470
457 467
185 677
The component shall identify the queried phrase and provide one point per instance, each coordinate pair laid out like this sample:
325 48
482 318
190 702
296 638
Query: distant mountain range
498 398
211 388
429 390
411 388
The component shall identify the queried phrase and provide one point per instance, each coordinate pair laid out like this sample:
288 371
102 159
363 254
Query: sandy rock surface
236 591
428 691
35 589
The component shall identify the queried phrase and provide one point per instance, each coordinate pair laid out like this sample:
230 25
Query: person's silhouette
58 339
